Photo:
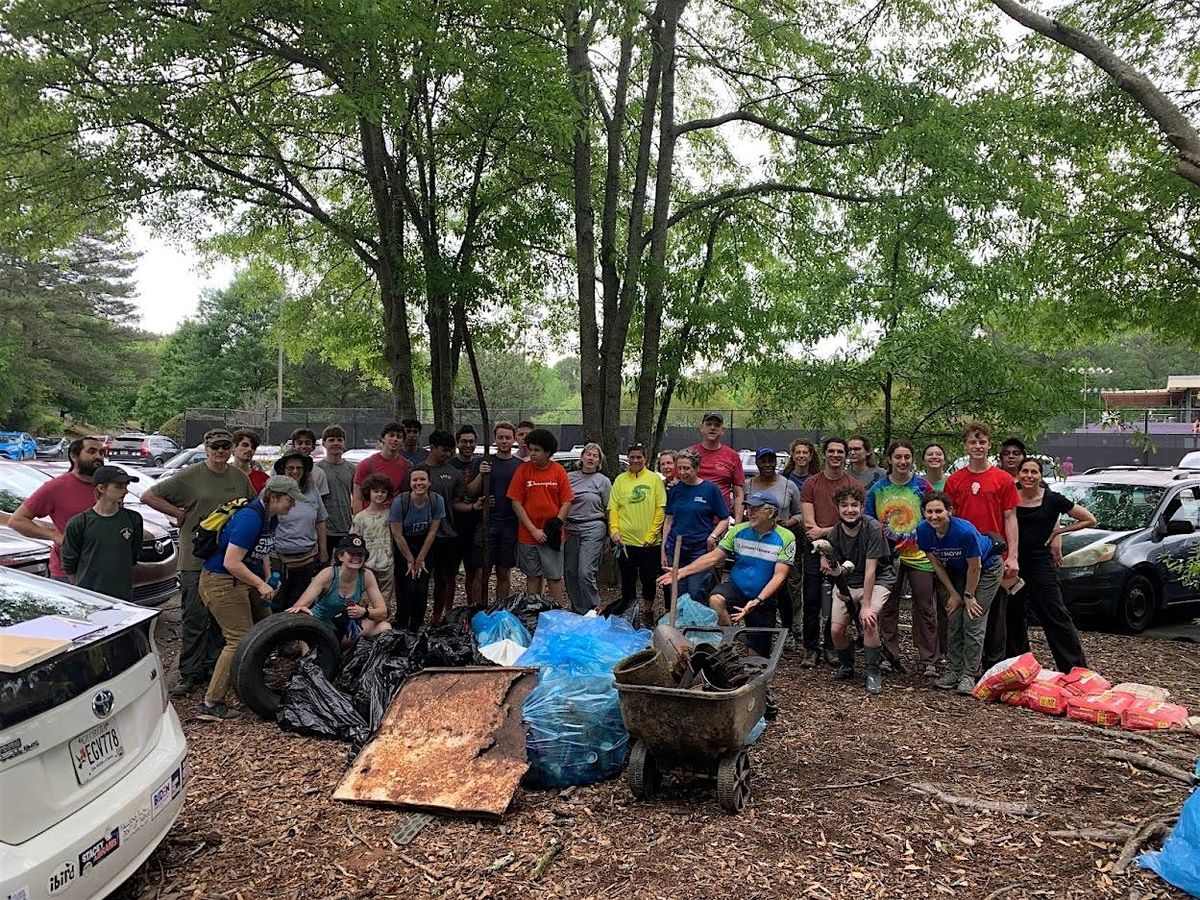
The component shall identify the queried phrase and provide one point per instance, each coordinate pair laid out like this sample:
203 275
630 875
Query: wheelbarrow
700 732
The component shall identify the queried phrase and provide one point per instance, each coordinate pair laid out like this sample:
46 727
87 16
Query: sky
170 279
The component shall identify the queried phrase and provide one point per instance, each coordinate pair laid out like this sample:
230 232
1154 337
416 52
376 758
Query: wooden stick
854 784
675 580
1108 741
1150 764
998 806
1093 834
1149 829
420 866
548 857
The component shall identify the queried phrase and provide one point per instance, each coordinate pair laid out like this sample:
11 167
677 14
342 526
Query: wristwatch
968 596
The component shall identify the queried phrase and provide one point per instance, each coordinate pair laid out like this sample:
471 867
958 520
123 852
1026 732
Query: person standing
445 480
636 509
895 501
587 530
188 497
969 569
501 536
234 583
300 546
720 463
820 517
1012 451
245 442
541 495
802 462
1068 468
415 518
523 428
411 448
467 518
371 523
100 545
696 514
304 440
387 461
666 468
791 516
1038 515
933 458
859 466
986 496
339 476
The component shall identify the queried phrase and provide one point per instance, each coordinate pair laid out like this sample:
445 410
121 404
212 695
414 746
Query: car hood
1076 539
13 543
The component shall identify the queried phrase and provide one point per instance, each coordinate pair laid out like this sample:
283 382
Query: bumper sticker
103 848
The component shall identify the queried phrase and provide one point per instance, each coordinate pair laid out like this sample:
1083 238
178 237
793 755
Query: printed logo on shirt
639 493
547 484
127 533
976 487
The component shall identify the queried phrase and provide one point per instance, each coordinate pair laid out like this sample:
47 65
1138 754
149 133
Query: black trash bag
450 646
376 670
526 607
460 617
312 705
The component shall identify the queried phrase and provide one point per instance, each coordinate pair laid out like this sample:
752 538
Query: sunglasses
221 445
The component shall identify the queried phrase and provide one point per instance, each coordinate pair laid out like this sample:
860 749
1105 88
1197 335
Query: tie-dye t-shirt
898 509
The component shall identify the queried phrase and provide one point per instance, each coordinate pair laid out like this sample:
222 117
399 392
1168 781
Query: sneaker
183 686
874 683
930 670
216 712
966 684
842 673
789 642
810 660
886 667
948 681
831 657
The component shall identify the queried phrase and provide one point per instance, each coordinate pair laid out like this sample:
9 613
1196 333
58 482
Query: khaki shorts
841 613
540 561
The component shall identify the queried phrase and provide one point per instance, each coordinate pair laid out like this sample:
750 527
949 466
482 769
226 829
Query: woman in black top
1038 515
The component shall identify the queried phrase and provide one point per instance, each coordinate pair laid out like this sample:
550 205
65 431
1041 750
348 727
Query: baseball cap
112 475
283 484
352 543
713 417
218 434
764 451
761 498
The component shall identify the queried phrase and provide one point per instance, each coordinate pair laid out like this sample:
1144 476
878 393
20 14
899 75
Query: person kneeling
346 596
859 540
763 553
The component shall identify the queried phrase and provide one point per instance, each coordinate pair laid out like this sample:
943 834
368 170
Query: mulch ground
259 820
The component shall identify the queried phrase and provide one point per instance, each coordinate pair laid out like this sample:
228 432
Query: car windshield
1117 507
17 483
180 459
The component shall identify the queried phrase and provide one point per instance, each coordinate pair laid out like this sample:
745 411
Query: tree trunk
887 386
441 378
656 272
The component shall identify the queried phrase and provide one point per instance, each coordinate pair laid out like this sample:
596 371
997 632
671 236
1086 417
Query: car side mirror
1176 527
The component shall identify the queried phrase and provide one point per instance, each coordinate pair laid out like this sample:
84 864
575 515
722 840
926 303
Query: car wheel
157 461
1137 605
260 670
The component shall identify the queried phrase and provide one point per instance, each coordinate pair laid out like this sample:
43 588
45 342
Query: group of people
832 539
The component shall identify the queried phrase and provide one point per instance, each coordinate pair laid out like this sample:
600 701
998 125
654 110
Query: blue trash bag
757 731
1179 860
579 645
574 731
498 626
691 613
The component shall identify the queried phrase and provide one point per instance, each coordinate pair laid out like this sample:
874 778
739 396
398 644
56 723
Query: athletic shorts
541 561
840 614
502 545
762 616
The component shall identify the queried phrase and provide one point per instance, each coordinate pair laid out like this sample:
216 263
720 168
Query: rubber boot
845 671
874 679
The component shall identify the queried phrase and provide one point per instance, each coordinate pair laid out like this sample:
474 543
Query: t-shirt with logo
636 508
819 490
723 467
961 542
897 507
250 529
755 555
542 492
60 500
695 510
395 469
101 551
414 519
982 497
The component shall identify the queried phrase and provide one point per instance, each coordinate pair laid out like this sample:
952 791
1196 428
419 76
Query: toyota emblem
102 704
161 547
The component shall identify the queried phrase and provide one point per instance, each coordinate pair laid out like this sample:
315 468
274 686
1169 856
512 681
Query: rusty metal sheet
451 740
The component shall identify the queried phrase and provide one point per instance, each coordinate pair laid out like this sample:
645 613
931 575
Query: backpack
206 535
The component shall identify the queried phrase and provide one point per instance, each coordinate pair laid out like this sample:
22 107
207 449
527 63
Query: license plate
95 750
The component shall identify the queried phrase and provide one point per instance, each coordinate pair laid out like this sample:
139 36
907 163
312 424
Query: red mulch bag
1099 709
1047 696
1007 675
1013 698
1084 682
1151 715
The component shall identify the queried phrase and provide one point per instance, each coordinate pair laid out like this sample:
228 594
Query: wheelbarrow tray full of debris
694 723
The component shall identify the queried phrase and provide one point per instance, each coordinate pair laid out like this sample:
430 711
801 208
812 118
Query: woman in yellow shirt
636 508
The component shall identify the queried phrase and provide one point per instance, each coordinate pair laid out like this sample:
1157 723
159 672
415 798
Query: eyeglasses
221 445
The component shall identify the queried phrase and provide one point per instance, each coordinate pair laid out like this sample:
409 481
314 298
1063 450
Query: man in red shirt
61 499
820 518
541 493
986 496
720 463
388 461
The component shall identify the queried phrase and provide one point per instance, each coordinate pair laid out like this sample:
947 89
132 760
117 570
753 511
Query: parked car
93 761
1147 517
180 460
155 577
1190 460
52 447
18 445
147 449
25 553
569 460
750 464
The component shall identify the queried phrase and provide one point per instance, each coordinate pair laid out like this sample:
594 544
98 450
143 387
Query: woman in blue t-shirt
415 518
234 581
697 516
968 566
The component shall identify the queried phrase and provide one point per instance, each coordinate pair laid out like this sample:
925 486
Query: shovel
667 639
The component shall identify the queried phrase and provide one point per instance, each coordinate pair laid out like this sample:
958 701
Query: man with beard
61 499
820 516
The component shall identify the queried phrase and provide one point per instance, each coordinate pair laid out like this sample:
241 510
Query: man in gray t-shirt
339 476
445 479
858 461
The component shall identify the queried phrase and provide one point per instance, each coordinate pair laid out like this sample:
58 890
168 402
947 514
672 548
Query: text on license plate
95 750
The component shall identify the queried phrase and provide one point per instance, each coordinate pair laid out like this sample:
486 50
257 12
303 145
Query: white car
1190 460
93 761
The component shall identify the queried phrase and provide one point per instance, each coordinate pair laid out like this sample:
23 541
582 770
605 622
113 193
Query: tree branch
753 190
755 119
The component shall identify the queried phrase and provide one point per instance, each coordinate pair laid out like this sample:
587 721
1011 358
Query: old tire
733 782
642 774
1138 602
260 644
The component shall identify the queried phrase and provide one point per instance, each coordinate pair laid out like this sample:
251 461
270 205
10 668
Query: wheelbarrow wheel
733 781
642 773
